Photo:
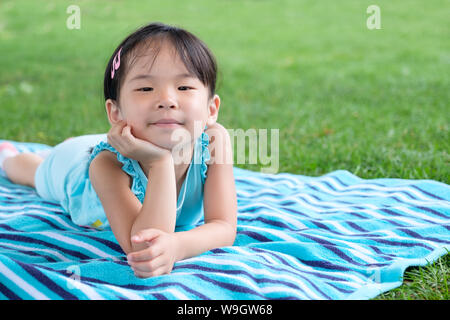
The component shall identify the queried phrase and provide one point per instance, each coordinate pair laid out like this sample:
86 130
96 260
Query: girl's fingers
126 132
116 129
148 266
145 255
146 235
157 272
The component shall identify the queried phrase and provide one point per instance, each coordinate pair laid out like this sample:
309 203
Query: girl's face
167 90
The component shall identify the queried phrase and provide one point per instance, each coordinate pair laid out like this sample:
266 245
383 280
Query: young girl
160 99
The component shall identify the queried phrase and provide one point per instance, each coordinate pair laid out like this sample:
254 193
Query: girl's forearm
160 203
211 235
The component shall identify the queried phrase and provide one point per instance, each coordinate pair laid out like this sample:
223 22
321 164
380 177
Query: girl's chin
162 138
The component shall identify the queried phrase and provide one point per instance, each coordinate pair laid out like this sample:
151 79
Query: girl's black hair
194 53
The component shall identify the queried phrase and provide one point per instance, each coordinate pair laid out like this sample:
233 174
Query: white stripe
90 292
338 226
244 251
336 206
261 181
52 252
53 218
424 216
176 293
31 206
284 290
362 256
394 236
280 234
249 284
286 216
12 188
380 216
125 292
360 251
344 208
22 284
266 273
263 272
406 188
74 242
336 273
378 194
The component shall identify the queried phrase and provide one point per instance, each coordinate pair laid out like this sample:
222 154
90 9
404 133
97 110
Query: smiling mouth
166 125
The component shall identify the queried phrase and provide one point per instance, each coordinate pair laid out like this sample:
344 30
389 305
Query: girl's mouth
167 125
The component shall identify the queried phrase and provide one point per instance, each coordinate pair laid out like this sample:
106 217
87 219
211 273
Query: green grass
373 102
423 283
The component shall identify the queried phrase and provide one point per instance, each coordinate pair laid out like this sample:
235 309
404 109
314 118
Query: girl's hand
159 256
121 138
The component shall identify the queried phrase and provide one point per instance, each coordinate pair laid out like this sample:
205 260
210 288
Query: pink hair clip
115 63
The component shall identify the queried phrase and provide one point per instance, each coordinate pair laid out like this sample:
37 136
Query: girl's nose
166 105
166 100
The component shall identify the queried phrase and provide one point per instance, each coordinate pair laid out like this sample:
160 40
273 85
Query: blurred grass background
373 102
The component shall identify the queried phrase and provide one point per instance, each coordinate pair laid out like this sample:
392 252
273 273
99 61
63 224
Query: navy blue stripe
427 193
316 288
30 253
230 286
394 213
255 236
8 293
332 247
340 289
43 243
324 265
370 189
385 256
46 281
137 287
401 244
296 212
418 236
355 226
50 223
394 223
339 180
295 273
110 244
6 227
437 213
239 272
274 223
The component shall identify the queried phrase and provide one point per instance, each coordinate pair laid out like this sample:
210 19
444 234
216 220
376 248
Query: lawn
373 102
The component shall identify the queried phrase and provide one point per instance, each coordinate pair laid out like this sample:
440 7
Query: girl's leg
21 168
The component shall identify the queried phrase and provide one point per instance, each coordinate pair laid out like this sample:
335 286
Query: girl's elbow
233 232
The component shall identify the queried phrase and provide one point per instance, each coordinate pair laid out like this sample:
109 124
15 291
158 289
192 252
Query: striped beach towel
336 236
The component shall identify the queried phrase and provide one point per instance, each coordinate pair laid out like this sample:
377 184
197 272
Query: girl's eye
184 88
145 89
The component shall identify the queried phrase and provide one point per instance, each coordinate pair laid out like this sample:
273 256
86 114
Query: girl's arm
220 204
126 215
160 203
219 230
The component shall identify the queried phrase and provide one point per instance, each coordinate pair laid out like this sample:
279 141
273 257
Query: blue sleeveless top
64 177
190 199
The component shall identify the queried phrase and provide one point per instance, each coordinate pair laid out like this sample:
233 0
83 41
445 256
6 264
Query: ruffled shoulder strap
206 156
137 187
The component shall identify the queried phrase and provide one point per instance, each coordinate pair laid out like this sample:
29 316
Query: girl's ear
113 111
213 110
